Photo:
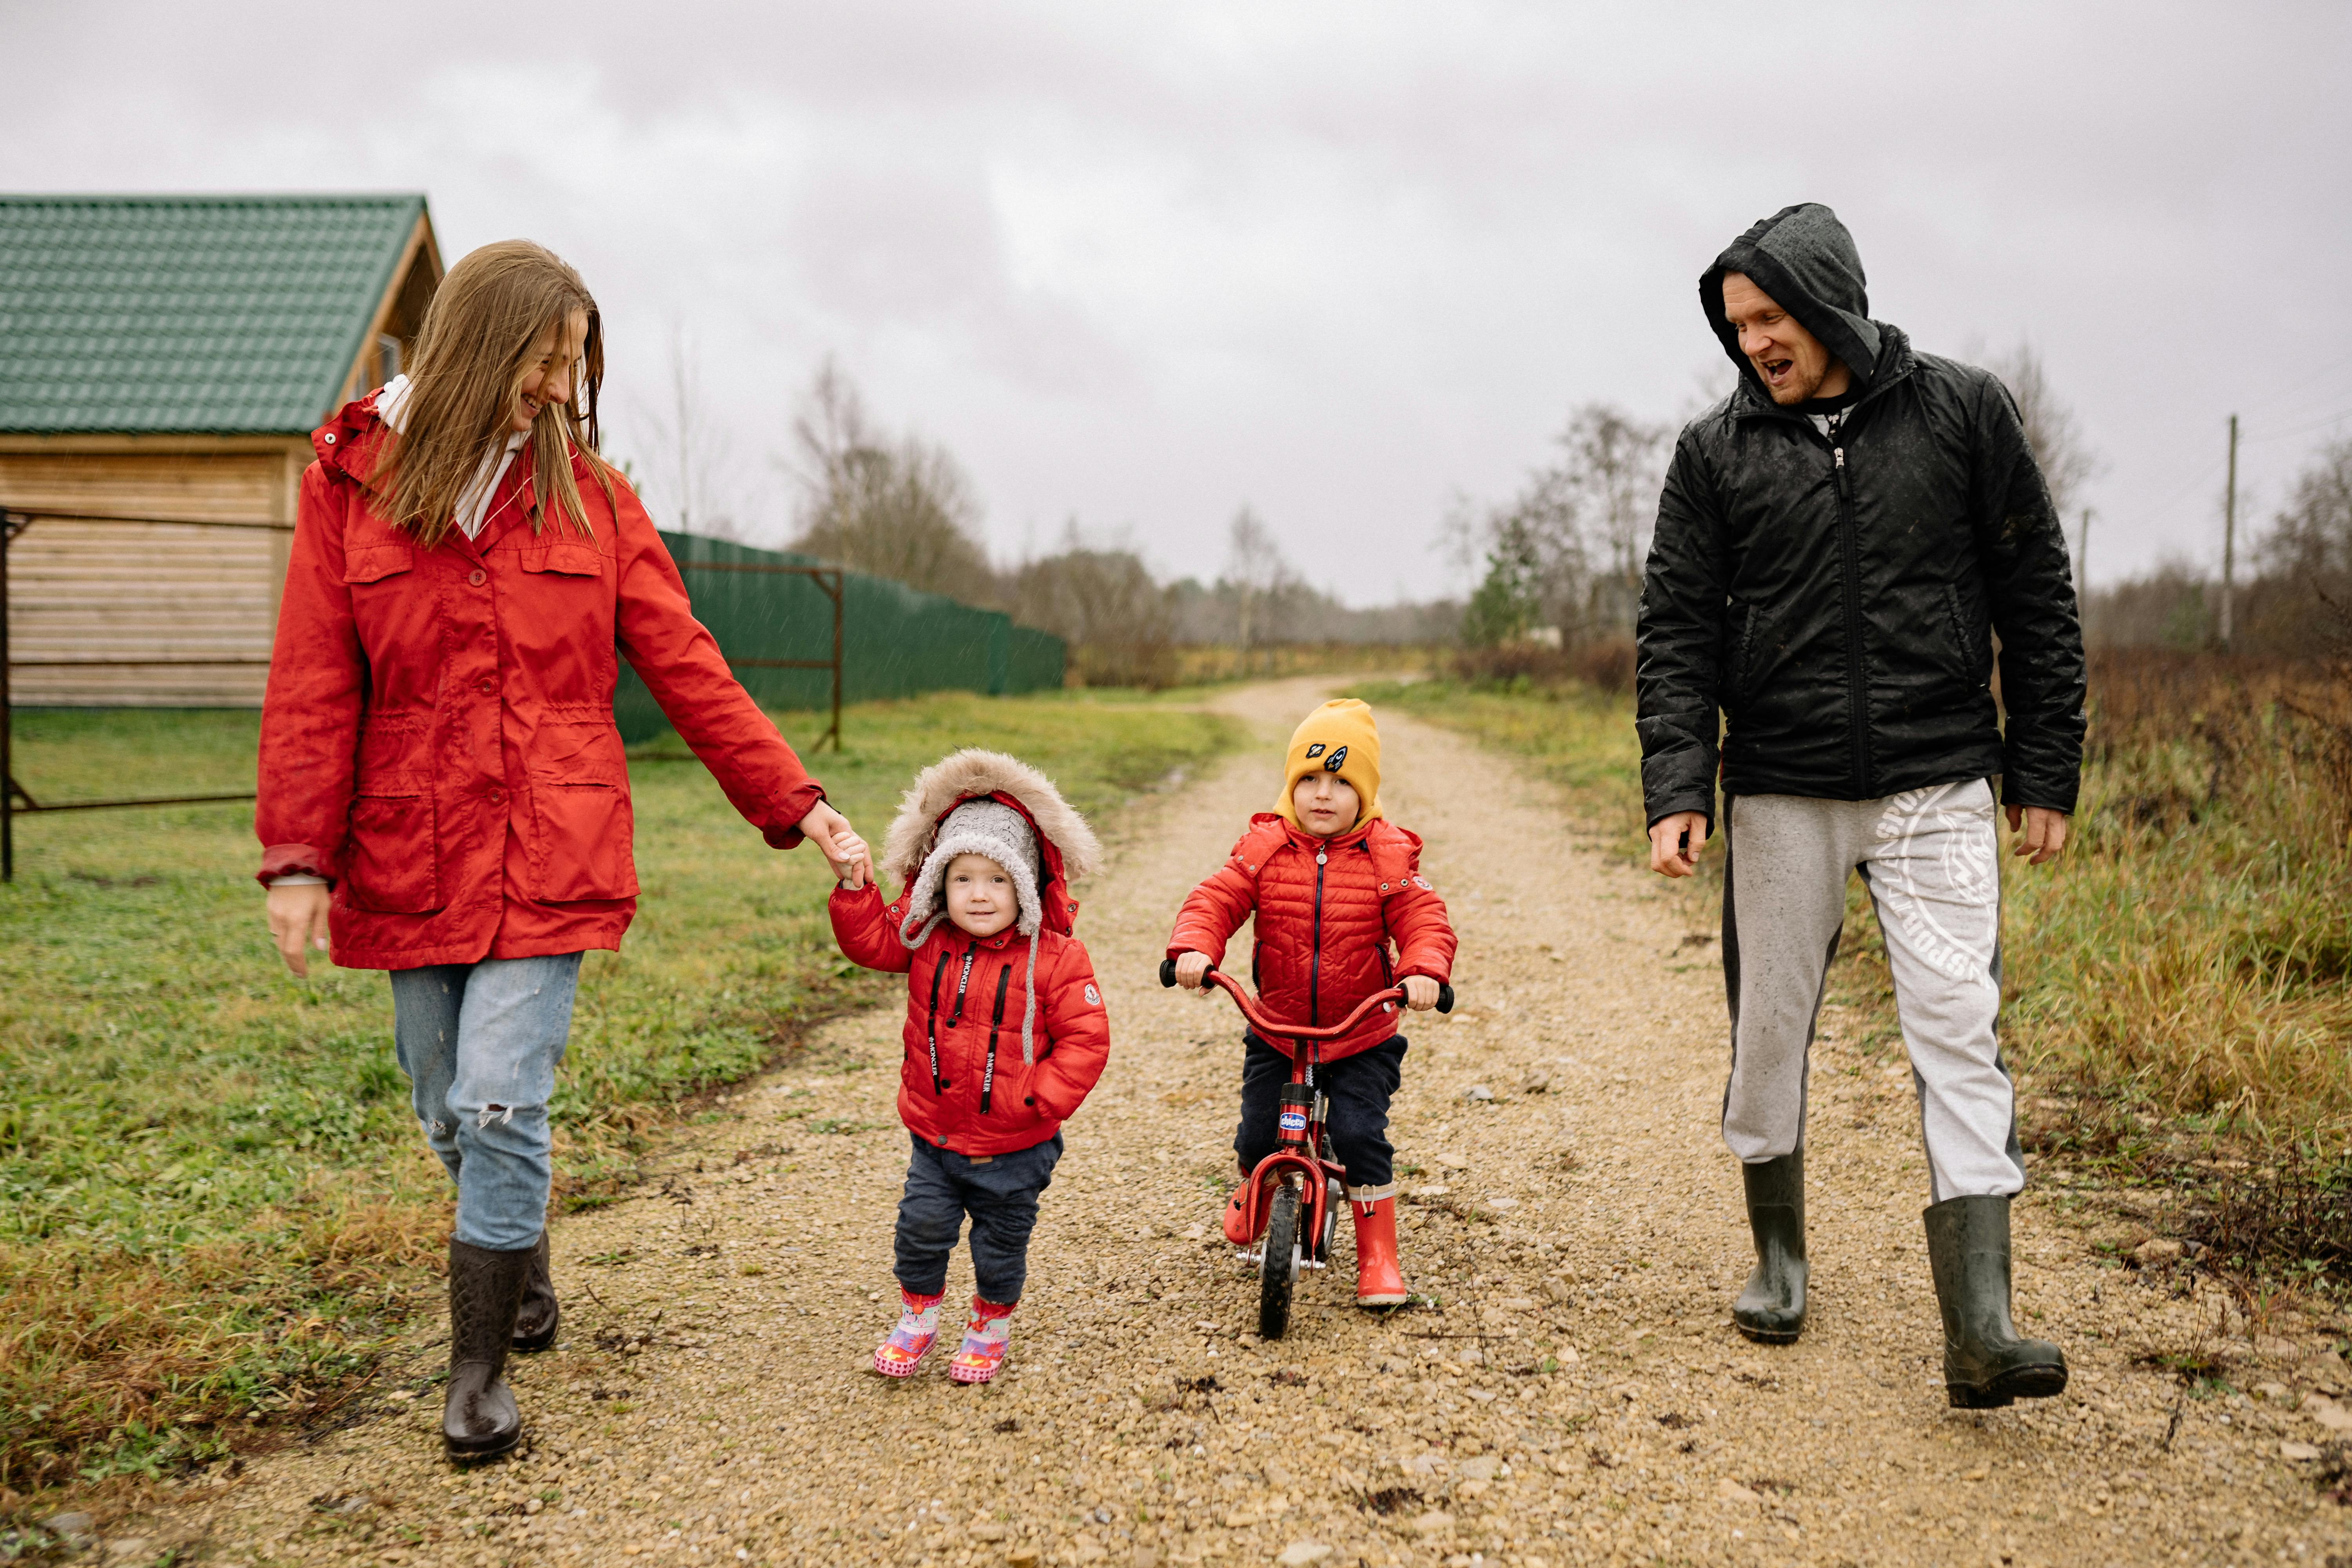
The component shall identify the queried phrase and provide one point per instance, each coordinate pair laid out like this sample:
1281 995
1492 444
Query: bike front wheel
1277 1268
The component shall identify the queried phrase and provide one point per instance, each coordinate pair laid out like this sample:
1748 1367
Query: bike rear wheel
1277 1268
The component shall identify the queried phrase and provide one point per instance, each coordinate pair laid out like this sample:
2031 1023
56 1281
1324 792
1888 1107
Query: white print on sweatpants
1931 858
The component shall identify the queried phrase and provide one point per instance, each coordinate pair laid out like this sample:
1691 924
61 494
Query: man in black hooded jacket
1838 543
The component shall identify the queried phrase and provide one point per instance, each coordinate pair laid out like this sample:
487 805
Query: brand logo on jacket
1094 997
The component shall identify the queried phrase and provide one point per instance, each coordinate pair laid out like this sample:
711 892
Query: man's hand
1191 969
1675 841
298 922
834 838
2044 835
1420 992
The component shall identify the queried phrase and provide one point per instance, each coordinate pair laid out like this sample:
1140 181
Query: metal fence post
840 591
8 716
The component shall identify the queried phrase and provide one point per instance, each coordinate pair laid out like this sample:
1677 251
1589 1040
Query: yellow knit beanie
1337 738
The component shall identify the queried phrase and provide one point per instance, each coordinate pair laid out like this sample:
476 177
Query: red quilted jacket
1327 911
963 1084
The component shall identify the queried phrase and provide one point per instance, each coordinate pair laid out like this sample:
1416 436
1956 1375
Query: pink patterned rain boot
985 1340
918 1325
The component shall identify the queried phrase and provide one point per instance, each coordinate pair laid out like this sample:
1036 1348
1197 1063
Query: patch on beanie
1316 751
1335 762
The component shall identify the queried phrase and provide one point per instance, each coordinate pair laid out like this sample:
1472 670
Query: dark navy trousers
1000 1193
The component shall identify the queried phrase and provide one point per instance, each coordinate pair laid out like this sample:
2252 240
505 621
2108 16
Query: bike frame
1301 1147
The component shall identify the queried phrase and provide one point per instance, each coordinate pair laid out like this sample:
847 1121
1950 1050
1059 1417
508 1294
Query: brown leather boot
537 1319
478 1416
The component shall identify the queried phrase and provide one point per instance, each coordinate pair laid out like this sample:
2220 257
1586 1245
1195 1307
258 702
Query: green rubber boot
1986 1364
1772 1309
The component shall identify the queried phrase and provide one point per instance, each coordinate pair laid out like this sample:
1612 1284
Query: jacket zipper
1315 965
932 1028
996 1022
1856 685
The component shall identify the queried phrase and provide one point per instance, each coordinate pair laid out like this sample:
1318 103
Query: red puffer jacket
437 736
1326 911
963 1084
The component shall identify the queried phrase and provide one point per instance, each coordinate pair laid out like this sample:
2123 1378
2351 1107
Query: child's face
1326 803
981 899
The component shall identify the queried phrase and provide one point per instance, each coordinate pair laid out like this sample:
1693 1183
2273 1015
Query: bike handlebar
1265 1026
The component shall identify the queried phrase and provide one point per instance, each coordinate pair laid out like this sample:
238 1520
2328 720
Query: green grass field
216 1202
2178 986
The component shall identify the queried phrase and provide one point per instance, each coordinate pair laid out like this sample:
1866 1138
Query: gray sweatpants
1931 860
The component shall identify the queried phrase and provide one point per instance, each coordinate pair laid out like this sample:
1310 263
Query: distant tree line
898 506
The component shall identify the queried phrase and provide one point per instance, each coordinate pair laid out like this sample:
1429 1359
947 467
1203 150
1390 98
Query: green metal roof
196 314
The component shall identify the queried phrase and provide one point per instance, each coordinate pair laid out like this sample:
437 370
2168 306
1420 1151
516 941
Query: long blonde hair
472 354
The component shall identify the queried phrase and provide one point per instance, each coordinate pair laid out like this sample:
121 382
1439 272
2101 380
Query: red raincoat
1323 926
437 737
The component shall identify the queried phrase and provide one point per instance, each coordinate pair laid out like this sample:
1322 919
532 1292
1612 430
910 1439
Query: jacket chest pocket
393 866
581 817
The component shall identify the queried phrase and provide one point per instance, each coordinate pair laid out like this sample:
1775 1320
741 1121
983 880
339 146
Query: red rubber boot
1379 1277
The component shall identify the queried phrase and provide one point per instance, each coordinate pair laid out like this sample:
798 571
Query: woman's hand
1420 992
834 838
298 922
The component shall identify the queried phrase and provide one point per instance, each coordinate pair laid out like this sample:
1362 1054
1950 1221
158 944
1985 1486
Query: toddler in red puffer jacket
1005 1031
1333 885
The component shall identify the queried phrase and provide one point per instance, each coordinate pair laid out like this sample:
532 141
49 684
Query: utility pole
2230 534
2083 576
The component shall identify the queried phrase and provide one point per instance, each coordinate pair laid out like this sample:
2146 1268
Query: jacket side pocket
1972 655
394 867
1743 653
583 822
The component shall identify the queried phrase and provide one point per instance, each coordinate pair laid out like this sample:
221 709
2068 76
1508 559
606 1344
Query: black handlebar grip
1168 971
1444 996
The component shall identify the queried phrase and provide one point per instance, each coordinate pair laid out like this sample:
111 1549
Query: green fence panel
896 641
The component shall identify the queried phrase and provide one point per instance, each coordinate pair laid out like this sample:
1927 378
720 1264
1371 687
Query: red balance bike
1296 1191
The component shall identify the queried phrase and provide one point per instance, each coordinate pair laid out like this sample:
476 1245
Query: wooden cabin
163 361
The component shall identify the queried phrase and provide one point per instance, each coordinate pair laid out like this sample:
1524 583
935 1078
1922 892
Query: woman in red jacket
1332 884
1005 1030
441 788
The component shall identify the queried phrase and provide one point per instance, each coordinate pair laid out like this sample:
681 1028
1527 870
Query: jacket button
1028 1099
475 576
497 795
330 437
489 686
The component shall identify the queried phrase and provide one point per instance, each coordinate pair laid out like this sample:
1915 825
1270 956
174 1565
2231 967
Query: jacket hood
1807 260
1066 847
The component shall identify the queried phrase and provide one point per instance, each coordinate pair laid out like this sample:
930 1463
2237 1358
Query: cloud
1139 264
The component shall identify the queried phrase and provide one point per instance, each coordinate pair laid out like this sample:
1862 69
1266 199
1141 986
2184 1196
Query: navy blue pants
1359 1089
1000 1193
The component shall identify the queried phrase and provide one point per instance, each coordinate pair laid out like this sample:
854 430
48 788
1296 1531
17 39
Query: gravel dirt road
1576 1393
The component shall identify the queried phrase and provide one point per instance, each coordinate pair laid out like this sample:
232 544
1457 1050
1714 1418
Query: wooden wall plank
93 591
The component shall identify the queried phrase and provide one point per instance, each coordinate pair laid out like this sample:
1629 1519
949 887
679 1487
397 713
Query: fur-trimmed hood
1066 847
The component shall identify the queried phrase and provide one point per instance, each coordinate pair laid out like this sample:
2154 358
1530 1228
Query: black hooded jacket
1837 601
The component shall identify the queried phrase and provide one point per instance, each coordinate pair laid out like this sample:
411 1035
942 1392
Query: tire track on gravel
1578 1397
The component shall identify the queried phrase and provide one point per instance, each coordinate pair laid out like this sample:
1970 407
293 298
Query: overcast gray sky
1137 264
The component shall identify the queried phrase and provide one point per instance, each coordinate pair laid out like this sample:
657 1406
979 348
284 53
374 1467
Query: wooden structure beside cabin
166 358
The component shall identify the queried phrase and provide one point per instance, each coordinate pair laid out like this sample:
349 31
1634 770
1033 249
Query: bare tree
2064 456
1613 468
900 508
694 452
1256 567
1119 623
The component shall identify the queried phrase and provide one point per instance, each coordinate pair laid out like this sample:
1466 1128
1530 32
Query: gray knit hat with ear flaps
992 828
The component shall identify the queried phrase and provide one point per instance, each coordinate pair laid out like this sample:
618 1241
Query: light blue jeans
481 1044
